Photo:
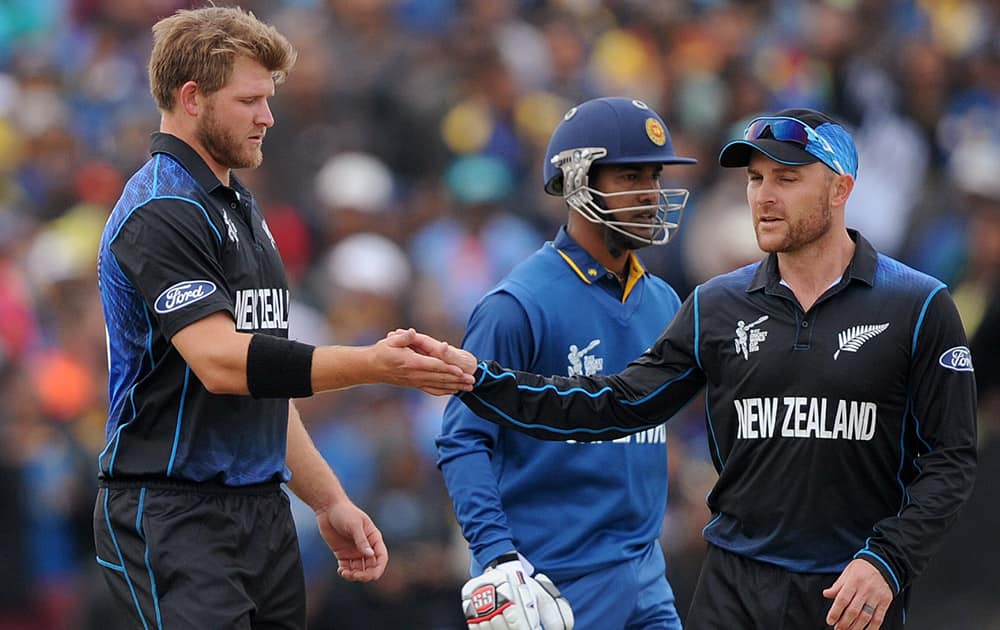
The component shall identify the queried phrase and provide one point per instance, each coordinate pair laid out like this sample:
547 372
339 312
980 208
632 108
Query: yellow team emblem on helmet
655 132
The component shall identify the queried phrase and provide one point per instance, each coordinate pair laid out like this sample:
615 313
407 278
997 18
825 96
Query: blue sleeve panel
498 328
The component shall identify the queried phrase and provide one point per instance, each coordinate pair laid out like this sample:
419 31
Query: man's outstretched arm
225 362
584 408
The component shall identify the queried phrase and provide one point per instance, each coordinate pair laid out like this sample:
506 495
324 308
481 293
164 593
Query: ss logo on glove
506 598
484 599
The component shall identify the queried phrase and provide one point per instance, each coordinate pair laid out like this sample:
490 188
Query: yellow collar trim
635 271
569 261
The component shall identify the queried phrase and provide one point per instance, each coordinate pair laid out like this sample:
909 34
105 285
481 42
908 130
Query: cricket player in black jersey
840 401
191 525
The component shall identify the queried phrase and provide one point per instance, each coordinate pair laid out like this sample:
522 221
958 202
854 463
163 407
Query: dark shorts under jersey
181 557
737 592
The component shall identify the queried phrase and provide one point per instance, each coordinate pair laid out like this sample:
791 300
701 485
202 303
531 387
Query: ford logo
182 294
958 358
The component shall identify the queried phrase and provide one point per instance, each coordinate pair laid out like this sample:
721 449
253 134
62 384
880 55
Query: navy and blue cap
628 129
795 137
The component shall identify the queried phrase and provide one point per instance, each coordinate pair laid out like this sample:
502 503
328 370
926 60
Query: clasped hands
413 359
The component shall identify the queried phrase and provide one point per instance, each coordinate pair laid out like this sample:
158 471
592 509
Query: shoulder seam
204 212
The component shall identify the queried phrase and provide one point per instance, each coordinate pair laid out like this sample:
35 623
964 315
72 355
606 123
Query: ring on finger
868 608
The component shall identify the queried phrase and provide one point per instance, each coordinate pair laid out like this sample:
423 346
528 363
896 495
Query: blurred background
403 178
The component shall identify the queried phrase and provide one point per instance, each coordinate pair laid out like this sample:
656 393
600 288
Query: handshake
411 359
506 597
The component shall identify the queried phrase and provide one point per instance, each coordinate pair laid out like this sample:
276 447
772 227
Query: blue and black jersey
560 504
178 246
845 431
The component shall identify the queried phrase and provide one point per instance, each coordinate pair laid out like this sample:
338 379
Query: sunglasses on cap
786 129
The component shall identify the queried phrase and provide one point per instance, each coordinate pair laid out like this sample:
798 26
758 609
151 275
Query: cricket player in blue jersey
586 515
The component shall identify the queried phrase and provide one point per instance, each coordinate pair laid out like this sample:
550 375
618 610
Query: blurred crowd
403 178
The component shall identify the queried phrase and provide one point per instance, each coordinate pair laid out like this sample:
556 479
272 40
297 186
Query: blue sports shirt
568 507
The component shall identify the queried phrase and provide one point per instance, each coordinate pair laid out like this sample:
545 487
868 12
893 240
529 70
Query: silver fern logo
854 337
230 229
267 231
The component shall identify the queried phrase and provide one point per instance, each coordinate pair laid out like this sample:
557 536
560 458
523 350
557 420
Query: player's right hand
401 359
507 598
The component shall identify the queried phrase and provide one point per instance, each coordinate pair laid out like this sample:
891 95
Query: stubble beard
803 232
224 147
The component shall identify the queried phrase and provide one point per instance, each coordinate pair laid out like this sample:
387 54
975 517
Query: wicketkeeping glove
507 598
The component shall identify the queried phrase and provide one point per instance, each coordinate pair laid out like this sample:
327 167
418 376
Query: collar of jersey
188 158
862 267
587 268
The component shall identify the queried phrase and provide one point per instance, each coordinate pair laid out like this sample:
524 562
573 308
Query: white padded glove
507 598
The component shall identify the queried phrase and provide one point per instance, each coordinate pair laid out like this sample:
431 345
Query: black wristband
510 556
279 368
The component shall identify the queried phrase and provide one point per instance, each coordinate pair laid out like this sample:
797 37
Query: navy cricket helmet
613 130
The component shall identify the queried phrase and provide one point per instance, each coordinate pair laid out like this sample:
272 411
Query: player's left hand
860 597
355 541
507 598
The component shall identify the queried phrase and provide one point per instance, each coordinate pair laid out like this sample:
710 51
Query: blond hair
201 45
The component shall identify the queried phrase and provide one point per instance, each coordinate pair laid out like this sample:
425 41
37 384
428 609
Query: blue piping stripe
156 173
121 427
697 328
138 512
868 552
564 431
656 392
711 426
709 524
152 585
218 236
121 559
920 320
916 427
114 442
149 567
482 376
180 419
104 451
902 459
598 393
204 212
572 390
149 336
104 563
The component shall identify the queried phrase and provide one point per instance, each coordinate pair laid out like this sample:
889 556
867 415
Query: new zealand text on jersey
261 308
805 417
